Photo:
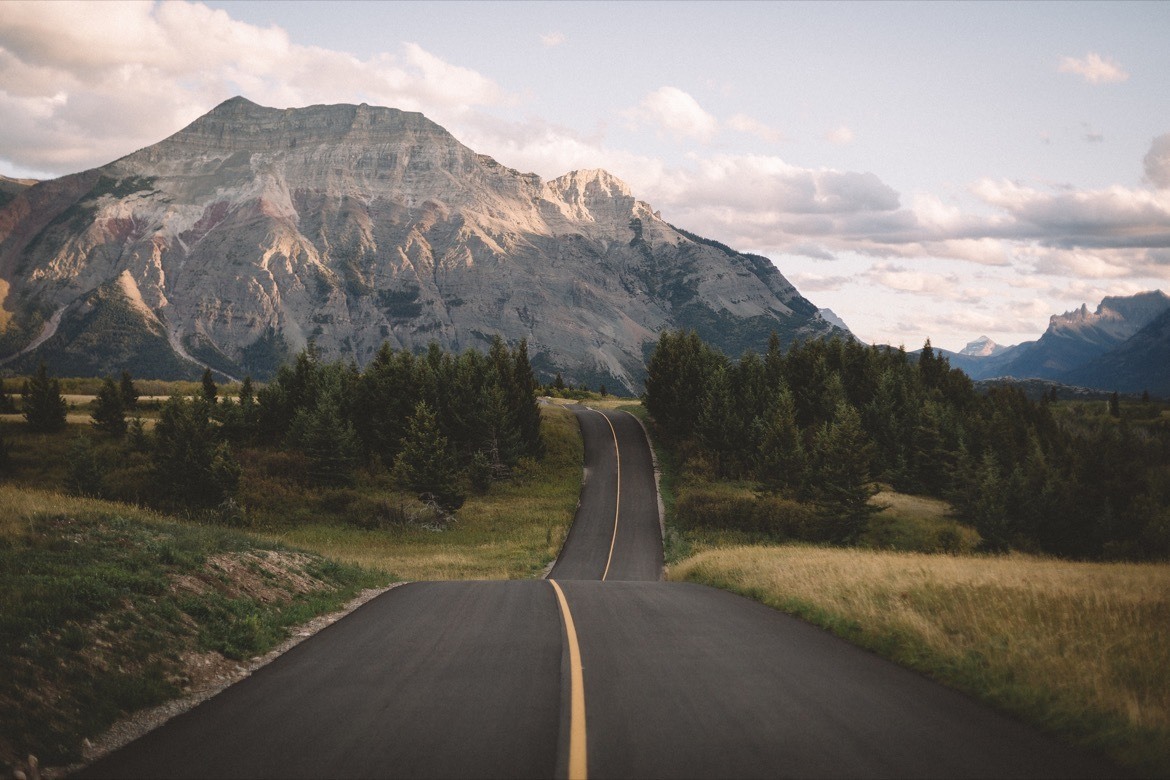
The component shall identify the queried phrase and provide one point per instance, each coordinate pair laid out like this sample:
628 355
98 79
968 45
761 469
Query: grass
1081 649
512 532
100 602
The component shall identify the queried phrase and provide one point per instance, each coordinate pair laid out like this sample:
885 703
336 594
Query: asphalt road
579 677
605 544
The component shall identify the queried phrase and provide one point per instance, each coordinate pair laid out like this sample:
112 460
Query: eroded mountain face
254 230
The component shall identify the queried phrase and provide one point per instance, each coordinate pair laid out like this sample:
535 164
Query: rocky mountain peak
254 231
981 347
1115 318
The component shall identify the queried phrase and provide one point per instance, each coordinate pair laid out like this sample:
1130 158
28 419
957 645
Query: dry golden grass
513 532
1082 649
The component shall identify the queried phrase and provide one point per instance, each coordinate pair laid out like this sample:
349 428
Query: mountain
1123 345
982 347
1076 337
253 231
1140 363
829 316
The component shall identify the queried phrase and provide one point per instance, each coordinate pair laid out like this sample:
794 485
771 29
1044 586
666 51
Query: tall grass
1081 649
512 532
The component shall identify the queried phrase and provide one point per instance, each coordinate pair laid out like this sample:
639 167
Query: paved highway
575 676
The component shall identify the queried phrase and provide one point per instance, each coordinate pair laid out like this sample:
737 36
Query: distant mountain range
1123 345
255 231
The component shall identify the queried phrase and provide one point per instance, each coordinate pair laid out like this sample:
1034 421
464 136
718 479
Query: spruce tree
109 414
426 464
86 470
210 390
44 406
129 392
840 475
193 467
328 439
781 462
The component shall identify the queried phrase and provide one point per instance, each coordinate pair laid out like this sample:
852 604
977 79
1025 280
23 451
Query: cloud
139 71
676 113
819 283
1094 68
741 123
1157 162
840 135
551 39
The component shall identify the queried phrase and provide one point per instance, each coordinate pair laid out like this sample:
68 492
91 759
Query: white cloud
1157 162
139 71
551 39
676 113
1094 68
742 123
840 135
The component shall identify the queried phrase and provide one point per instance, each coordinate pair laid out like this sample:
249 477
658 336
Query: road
576 676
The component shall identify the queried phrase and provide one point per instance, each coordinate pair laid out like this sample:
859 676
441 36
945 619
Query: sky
939 171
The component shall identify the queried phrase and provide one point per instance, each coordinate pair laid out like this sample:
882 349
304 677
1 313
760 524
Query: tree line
441 423
823 421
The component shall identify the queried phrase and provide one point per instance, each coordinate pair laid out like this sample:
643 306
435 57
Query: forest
818 426
437 425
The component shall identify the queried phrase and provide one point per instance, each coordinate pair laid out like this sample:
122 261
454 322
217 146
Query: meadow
1079 649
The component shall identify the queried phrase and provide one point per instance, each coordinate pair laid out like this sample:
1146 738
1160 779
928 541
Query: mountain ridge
254 231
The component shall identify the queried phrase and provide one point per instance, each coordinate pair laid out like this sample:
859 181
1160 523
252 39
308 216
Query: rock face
981 347
254 231
1123 345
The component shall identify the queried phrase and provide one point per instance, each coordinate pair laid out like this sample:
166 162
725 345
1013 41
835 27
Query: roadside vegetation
887 501
1079 649
106 608
143 539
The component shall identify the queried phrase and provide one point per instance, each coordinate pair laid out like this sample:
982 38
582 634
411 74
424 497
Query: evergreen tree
525 412
1114 405
193 467
426 464
109 414
86 470
129 392
44 406
558 382
840 476
328 439
210 389
781 462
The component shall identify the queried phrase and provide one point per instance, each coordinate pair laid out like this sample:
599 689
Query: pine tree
109 414
781 463
129 392
86 470
210 390
193 467
840 475
1114 405
44 406
426 464
328 439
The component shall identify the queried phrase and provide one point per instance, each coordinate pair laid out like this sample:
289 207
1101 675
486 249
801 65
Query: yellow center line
617 508
577 762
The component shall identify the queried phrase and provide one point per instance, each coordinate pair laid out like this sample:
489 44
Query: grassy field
512 532
106 609
1081 649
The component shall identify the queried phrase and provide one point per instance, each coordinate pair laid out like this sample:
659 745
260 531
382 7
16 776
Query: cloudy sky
926 170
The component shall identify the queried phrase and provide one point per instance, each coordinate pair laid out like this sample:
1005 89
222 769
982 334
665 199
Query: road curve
578 677
615 535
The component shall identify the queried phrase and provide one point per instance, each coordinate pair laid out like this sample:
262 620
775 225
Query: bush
717 507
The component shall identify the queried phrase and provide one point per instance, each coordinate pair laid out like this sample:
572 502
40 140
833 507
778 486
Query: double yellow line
578 762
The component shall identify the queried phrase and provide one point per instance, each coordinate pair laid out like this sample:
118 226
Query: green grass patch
100 601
